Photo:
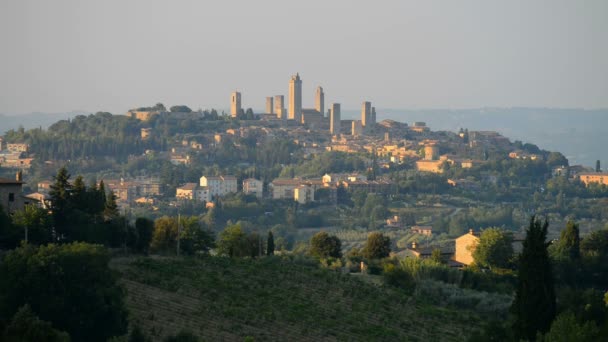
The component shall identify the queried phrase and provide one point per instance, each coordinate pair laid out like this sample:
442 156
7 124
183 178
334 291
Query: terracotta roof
9 181
188 186
287 182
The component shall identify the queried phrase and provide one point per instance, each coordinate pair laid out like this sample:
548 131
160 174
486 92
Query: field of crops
276 298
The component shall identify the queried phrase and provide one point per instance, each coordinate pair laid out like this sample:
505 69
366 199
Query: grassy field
277 299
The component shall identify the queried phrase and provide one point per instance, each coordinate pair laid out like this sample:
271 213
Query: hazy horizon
111 56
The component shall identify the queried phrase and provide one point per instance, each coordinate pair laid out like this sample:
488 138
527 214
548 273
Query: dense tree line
70 286
85 137
328 162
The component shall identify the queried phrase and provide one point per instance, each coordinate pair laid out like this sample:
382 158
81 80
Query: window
11 197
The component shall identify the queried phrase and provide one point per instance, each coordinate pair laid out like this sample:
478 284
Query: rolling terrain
276 299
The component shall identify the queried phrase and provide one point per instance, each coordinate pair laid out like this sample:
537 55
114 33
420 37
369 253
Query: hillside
276 299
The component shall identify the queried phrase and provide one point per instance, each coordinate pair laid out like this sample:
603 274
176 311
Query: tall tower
373 118
279 106
269 105
235 104
366 113
334 119
320 101
356 128
295 98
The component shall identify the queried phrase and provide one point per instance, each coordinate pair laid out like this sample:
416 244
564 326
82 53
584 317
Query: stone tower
366 113
235 104
269 105
373 117
320 101
295 98
279 106
334 119
356 128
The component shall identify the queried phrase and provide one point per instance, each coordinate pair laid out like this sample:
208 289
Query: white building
219 186
304 194
194 192
254 187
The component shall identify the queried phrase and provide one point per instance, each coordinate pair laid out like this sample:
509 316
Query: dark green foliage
327 162
556 159
494 248
233 242
494 330
60 202
596 244
137 335
164 238
566 328
586 304
180 109
569 241
594 248
398 277
289 299
436 256
377 246
144 229
270 244
25 326
182 336
322 245
10 235
38 223
194 239
70 286
534 304
110 211
85 214
86 137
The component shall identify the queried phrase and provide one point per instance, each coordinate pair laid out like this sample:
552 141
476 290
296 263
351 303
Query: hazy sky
113 55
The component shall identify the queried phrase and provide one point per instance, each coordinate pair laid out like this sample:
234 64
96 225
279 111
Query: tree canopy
494 248
569 241
377 246
323 245
70 286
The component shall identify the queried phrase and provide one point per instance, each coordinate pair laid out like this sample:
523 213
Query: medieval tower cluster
276 107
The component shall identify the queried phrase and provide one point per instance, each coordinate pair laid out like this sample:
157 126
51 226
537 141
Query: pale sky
113 55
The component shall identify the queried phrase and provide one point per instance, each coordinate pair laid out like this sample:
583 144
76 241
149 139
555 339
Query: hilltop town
390 203
158 160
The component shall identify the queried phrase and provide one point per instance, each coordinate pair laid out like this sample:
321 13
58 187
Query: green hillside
276 299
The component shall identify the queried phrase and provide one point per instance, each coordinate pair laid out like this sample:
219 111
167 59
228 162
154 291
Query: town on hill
295 224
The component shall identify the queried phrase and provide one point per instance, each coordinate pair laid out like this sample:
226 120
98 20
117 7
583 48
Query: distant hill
577 133
275 299
32 120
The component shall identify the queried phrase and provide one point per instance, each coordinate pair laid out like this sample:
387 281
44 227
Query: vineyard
276 299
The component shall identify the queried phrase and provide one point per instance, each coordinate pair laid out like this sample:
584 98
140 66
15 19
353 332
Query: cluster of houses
12 198
14 156
209 188
300 190
461 254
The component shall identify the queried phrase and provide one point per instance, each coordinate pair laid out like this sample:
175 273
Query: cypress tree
534 304
270 244
61 191
569 241
79 193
